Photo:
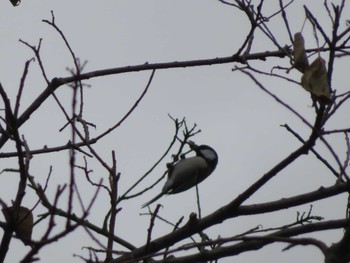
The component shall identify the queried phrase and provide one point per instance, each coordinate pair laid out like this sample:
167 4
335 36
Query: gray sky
236 118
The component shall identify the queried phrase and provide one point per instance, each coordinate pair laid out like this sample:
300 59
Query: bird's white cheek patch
208 154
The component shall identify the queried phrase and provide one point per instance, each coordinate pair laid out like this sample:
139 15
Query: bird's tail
153 200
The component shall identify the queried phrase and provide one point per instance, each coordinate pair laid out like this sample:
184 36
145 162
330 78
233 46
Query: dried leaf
315 81
23 220
300 58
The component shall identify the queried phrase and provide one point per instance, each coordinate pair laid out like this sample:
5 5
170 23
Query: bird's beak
192 145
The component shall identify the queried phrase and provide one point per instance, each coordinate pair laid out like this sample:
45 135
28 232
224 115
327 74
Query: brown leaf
301 61
315 81
23 220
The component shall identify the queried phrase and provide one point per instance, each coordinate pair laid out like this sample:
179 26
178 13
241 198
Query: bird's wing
185 174
182 176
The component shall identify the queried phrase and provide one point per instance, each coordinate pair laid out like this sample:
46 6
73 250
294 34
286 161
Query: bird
189 172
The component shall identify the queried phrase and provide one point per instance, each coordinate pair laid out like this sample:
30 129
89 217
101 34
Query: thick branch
247 245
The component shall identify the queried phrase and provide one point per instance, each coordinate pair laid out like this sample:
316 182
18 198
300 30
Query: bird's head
206 152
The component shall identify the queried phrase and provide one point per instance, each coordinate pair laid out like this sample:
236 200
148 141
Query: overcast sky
236 118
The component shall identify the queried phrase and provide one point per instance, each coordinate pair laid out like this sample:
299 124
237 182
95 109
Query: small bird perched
189 172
